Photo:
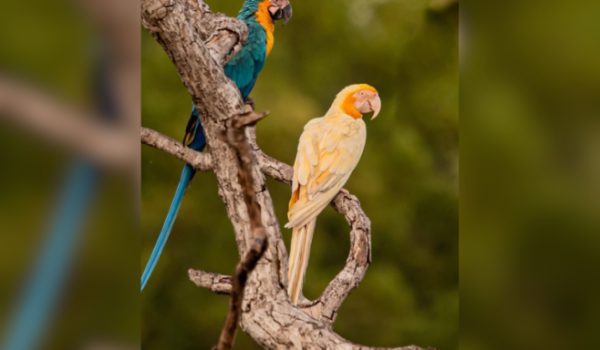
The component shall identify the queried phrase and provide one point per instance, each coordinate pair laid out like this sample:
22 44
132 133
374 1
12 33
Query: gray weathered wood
215 282
200 161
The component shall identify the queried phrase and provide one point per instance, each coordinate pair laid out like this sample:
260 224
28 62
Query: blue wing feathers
246 66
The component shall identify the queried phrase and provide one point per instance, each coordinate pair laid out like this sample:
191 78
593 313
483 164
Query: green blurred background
530 175
407 179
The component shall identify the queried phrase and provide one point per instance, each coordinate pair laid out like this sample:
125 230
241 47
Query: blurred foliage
530 189
407 179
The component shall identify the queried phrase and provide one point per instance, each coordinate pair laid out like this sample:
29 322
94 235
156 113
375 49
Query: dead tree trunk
199 43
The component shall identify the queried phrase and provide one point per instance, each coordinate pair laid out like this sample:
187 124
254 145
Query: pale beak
375 104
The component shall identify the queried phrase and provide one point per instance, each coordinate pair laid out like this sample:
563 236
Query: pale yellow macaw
329 150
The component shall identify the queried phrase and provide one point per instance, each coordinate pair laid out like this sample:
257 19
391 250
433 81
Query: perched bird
328 152
243 69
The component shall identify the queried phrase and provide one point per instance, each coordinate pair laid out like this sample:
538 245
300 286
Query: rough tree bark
198 53
237 139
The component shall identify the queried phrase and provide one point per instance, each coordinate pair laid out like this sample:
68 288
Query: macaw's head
355 100
280 9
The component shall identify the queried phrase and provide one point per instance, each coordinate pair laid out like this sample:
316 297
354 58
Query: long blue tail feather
186 177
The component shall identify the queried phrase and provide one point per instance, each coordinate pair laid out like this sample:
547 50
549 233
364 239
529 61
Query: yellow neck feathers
263 17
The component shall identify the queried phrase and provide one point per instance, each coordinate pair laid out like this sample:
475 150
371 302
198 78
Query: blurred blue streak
43 289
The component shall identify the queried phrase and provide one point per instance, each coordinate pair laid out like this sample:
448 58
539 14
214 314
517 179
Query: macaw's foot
249 101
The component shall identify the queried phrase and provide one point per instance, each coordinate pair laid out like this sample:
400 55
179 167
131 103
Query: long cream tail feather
299 253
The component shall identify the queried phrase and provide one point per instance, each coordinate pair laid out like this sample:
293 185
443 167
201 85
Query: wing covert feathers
329 150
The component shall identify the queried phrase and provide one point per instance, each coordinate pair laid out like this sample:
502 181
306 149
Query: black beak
285 14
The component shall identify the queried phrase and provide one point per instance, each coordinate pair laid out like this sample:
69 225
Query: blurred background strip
69 140
530 175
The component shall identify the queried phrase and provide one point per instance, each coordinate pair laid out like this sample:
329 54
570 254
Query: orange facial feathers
347 99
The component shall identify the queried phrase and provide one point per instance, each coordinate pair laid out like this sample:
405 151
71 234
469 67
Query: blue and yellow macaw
243 69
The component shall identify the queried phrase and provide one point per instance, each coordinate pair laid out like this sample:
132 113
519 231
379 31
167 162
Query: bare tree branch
215 282
267 313
198 160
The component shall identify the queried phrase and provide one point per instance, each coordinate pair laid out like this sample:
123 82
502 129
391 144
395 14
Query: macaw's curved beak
375 104
287 14
281 9
372 104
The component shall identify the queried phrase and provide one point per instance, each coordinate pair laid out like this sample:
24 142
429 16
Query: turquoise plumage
243 69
